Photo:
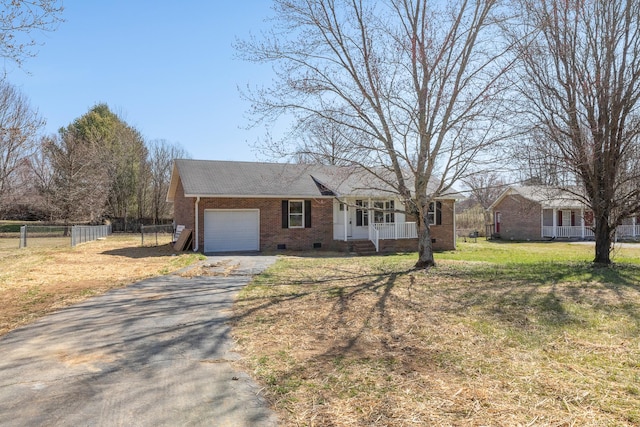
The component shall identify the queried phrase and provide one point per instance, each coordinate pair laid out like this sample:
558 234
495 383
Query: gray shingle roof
548 197
214 178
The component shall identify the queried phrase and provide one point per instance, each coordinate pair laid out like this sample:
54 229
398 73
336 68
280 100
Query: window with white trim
383 211
296 214
362 213
434 215
378 213
389 216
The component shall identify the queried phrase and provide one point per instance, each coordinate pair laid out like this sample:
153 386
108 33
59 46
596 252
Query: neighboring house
246 206
538 212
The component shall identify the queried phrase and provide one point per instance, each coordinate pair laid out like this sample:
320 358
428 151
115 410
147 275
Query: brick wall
400 245
520 218
183 208
271 232
444 234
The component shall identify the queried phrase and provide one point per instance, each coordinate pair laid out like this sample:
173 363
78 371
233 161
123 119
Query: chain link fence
60 235
88 233
157 235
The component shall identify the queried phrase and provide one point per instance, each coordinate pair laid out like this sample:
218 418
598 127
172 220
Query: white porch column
455 233
541 222
582 221
555 221
634 221
346 218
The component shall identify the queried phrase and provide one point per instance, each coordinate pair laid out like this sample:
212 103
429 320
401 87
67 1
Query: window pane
295 220
431 215
378 216
295 207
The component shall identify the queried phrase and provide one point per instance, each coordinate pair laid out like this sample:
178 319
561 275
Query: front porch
377 232
371 219
392 231
578 223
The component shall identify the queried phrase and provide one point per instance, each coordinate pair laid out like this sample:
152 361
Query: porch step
362 247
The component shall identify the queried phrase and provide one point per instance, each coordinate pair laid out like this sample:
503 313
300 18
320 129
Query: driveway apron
157 353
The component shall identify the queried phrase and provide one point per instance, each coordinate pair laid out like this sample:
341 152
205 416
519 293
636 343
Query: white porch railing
623 231
566 231
628 230
374 236
391 231
398 230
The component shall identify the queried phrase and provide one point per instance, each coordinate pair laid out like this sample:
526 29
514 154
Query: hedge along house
247 206
539 212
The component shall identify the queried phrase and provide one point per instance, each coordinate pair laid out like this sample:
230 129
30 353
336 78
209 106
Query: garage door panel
231 230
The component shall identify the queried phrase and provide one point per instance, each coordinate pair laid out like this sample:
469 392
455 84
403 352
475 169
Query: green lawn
496 334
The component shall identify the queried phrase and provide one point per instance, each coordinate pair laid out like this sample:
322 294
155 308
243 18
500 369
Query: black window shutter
307 214
285 214
438 213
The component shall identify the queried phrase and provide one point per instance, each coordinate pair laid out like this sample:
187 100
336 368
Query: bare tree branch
18 127
19 20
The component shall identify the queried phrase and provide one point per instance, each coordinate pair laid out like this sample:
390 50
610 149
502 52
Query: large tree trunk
425 247
603 242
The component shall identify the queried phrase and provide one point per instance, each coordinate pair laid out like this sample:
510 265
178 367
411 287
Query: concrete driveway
157 353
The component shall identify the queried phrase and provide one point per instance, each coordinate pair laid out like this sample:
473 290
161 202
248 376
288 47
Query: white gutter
195 247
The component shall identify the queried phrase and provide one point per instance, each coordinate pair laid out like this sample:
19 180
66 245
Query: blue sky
166 67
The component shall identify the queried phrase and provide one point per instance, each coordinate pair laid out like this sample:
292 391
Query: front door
343 220
497 218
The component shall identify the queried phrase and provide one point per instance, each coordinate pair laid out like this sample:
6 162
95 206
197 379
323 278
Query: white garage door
231 230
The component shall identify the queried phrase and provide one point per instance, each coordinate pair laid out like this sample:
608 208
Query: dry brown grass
36 281
368 341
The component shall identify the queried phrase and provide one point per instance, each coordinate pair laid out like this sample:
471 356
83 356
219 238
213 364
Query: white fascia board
257 196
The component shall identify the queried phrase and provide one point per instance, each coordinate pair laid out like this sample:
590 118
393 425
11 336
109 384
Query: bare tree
485 189
162 153
531 157
324 142
18 127
41 177
580 81
417 84
19 19
79 186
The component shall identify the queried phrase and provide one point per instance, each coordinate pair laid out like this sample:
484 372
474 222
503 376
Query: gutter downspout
197 240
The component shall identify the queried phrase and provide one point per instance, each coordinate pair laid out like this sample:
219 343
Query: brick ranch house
538 212
247 206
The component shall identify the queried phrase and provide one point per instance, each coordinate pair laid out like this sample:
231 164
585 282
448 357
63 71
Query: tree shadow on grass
143 251
363 334
513 295
518 293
